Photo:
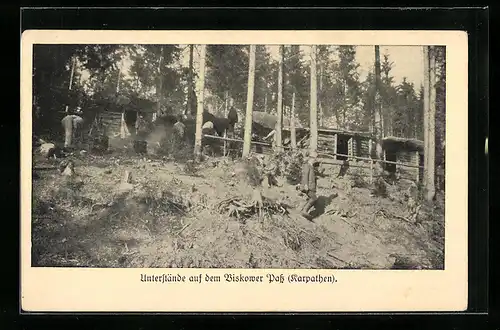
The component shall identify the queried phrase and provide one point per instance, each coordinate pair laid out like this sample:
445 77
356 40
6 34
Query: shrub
288 165
358 179
379 188
166 142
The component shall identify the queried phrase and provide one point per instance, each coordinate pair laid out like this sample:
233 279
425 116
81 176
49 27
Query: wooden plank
235 140
325 139
371 171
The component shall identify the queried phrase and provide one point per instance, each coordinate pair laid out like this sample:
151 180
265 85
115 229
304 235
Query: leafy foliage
106 74
227 71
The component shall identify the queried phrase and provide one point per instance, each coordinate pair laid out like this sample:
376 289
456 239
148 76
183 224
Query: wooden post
313 116
370 142
249 111
124 131
199 110
293 137
350 149
335 142
279 112
371 171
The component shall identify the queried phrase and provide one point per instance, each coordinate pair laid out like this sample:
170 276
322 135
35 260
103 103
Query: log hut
405 151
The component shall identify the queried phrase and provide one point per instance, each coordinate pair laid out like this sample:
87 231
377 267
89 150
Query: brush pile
239 208
287 165
99 143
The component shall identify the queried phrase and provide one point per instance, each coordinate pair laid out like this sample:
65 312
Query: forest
166 202
157 74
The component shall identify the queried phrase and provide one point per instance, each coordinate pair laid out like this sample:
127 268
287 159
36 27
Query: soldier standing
308 185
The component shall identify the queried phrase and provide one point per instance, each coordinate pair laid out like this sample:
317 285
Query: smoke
158 134
157 137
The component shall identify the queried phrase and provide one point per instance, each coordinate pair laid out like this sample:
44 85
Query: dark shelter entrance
130 120
390 155
401 149
342 146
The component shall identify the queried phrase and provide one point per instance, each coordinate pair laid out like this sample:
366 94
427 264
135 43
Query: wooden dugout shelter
118 115
400 154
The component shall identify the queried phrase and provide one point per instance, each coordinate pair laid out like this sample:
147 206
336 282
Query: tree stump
127 177
46 148
257 200
126 182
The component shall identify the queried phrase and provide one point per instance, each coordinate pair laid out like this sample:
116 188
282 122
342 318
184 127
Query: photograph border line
117 290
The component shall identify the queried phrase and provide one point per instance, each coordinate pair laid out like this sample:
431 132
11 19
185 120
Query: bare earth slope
167 215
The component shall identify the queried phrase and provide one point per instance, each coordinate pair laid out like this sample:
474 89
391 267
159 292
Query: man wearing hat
72 125
308 185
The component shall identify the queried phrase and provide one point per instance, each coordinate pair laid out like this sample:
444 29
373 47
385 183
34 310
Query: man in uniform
179 126
308 185
72 125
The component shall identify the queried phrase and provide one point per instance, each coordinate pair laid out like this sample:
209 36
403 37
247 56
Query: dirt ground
167 216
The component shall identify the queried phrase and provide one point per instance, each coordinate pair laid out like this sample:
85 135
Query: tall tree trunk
199 109
426 111
320 107
265 102
226 101
249 111
313 117
159 86
73 64
279 110
118 82
431 127
293 137
378 112
344 108
189 101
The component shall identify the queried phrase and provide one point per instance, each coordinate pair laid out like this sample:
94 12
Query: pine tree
279 114
378 116
200 107
429 120
313 117
349 110
227 67
249 109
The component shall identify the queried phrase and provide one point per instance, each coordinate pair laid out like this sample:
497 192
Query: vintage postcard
244 171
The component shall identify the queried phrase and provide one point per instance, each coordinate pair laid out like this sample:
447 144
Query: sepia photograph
297 156
239 156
